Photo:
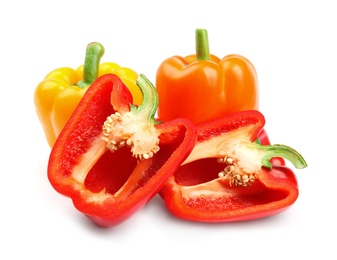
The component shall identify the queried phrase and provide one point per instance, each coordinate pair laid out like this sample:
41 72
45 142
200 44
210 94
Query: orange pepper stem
94 53
201 45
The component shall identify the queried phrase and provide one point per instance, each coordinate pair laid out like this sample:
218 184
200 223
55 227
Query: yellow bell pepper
59 93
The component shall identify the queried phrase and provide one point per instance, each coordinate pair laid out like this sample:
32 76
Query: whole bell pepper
204 85
231 176
112 156
56 97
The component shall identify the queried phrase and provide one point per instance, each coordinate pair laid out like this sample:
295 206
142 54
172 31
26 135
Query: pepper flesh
58 94
229 177
205 86
110 185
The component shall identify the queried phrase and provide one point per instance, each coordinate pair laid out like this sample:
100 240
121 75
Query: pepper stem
94 53
279 150
150 99
201 45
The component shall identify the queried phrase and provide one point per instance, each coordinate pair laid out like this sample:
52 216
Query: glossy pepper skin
205 86
230 177
57 95
112 157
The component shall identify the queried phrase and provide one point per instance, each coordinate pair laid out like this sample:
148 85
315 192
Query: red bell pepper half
229 176
112 157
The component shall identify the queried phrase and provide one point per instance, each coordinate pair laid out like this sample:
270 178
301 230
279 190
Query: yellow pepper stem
94 53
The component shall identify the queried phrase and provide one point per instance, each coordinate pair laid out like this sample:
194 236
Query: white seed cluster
111 120
116 135
236 178
146 155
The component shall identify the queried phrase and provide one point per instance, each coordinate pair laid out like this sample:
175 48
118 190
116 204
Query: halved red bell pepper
112 157
229 176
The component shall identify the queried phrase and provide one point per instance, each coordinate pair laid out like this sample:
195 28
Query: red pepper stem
150 99
279 150
201 45
94 53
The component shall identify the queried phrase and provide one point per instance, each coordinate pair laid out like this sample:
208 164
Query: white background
294 49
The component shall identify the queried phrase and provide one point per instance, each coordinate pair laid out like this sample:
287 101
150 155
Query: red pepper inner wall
111 171
233 197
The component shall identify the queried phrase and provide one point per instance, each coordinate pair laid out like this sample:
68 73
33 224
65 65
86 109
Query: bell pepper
112 156
204 85
230 176
56 97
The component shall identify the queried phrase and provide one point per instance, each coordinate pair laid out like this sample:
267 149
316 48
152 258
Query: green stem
150 99
201 45
94 53
279 150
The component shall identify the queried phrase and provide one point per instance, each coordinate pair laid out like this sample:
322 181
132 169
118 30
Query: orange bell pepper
202 86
